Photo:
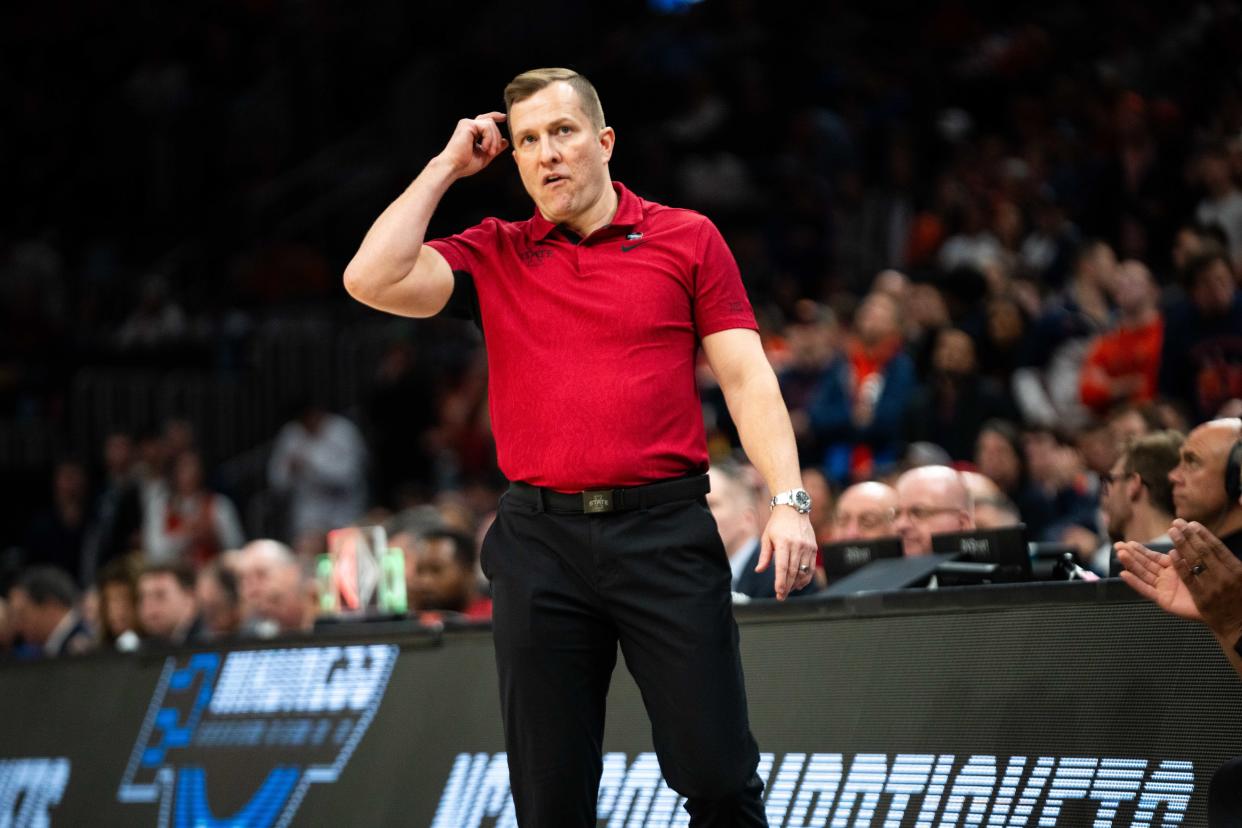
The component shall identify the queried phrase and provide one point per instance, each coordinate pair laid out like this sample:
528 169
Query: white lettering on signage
29 789
307 680
817 790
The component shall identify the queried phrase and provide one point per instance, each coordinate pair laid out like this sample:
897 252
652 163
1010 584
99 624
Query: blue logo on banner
219 722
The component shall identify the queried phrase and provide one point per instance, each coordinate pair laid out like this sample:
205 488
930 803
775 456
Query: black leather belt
597 501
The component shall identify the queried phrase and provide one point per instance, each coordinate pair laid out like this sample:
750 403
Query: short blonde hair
528 83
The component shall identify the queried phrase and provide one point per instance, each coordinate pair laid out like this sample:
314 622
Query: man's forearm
391 247
762 421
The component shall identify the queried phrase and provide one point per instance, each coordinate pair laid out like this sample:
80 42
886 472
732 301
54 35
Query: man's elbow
356 283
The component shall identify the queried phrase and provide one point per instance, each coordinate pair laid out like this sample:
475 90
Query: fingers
1207 549
487 134
1141 561
765 553
782 572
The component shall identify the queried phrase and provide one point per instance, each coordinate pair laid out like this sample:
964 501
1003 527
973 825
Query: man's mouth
549 180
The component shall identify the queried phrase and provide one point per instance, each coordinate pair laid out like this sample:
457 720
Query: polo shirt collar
629 214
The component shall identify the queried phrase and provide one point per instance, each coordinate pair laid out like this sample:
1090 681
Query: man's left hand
789 545
1212 575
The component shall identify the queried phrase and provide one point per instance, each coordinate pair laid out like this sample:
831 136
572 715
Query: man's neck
1228 524
1146 524
598 214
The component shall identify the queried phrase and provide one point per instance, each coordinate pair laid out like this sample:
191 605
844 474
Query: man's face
163 606
220 615
1127 426
561 156
923 510
1133 289
863 512
995 457
1199 477
954 353
254 573
1212 290
117 607
440 583
1115 501
284 599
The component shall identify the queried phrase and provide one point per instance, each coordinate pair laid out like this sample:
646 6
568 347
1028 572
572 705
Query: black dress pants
566 589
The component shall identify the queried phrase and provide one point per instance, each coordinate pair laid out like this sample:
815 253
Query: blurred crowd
1003 242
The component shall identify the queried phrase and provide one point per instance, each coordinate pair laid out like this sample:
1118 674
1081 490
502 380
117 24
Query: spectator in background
930 500
1222 201
319 463
1123 365
118 605
992 509
865 510
219 602
191 524
1046 388
1201 360
43 605
1126 422
256 568
406 531
444 578
1067 494
116 521
1136 496
167 608
955 402
288 603
1001 344
1200 490
151 469
856 412
55 535
734 503
1199 580
1000 457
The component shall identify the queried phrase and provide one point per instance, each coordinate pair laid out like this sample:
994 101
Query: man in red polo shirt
592 312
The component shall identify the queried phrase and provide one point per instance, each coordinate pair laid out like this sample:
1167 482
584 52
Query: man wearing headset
1206 481
1200 579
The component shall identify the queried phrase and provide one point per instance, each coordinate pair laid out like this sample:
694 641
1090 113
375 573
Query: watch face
802 501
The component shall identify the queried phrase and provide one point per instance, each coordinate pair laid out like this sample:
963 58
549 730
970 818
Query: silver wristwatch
797 498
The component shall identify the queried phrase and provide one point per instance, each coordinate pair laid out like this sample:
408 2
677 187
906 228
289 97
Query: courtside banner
1050 705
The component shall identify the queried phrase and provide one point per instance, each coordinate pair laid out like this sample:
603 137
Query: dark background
226 158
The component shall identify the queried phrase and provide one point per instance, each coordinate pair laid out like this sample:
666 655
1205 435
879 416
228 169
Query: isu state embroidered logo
238 738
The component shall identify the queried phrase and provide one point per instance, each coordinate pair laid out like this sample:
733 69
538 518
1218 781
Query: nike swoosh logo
626 248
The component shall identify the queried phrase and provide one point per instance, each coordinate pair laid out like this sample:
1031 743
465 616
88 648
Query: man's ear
1134 488
607 139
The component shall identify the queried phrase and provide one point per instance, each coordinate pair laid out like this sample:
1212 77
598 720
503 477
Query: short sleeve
470 249
467 254
720 301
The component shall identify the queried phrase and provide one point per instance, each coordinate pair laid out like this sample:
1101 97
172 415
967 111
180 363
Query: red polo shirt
591 343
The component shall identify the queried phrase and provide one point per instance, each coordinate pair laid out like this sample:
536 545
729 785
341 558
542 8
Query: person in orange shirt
1123 365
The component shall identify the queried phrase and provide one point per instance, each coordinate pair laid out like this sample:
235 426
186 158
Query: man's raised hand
1152 575
474 143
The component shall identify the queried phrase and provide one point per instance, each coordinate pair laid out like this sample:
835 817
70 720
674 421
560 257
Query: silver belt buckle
597 501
